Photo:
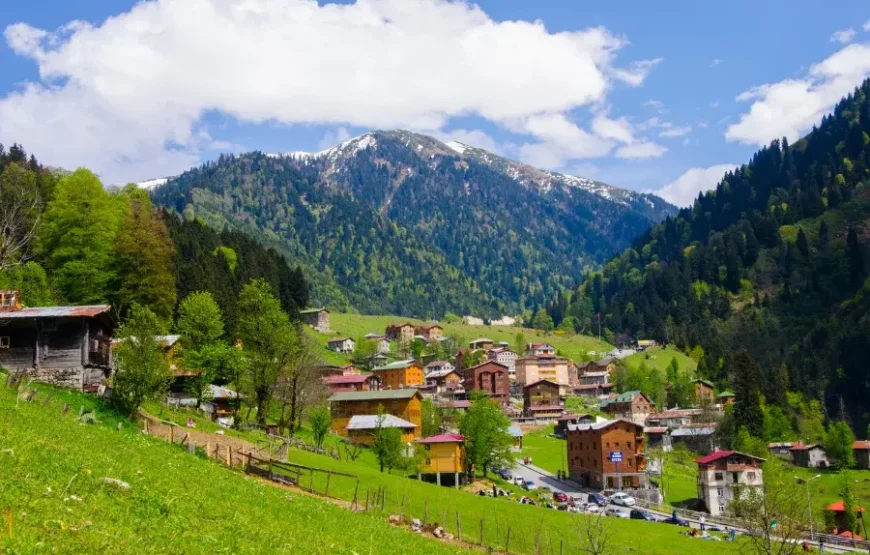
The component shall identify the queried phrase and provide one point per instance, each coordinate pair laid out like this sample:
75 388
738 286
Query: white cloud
656 105
790 107
127 97
645 149
867 25
560 140
684 190
471 137
333 138
714 104
619 130
844 36
676 131
715 62
703 124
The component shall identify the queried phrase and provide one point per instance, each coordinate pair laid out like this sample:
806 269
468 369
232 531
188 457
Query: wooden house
491 378
445 455
445 381
862 454
725 398
362 428
430 332
405 404
705 391
400 374
603 365
481 343
561 428
541 399
316 318
64 345
632 405
540 349
351 382
809 456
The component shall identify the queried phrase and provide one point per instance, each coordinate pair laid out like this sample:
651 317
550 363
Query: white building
341 345
541 349
506 357
722 474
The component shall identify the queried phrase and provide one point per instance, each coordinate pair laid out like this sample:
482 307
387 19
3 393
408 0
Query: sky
643 95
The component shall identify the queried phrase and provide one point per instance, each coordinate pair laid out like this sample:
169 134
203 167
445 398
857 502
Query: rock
448 537
416 525
438 532
115 482
395 519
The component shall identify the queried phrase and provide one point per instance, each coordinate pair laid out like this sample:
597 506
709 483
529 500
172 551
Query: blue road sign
616 456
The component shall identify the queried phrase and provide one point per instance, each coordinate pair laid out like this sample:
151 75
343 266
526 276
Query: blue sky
630 93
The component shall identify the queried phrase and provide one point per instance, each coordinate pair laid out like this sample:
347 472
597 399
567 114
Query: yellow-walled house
445 455
400 374
404 404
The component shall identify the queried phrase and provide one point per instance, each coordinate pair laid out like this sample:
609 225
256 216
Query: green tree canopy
142 372
487 441
838 445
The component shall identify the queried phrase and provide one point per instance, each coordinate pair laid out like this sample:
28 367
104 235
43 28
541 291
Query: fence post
311 488
328 477
561 547
482 536
171 434
426 513
207 446
402 510
507 542
367 499
355 505
458 526
229 455
384 498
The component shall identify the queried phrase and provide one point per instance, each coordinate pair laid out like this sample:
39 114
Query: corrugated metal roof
374 395
690 432
398 365
57 312
370 422
600 425
349 379
442 438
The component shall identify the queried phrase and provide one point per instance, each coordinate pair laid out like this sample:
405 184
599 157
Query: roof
689 432
804 447
436 374
313 310
454 404
718 455
442 438
539 382
515 430
546 408
568 417
656 430
840 507
778 445
861 445
398 365
703 381
429 327
339 340
218 392
370 422
481 340
599 374
591 386
350 379
538 345
625 397
374 335
487 362
388 394
396 326
58 312
435 363
726 394
600 425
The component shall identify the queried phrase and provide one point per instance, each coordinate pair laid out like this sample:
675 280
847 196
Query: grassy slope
546 451
178 503
660 358
355 325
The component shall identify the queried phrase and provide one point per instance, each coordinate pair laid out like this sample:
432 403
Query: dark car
676 521
637 514
598 499
560 497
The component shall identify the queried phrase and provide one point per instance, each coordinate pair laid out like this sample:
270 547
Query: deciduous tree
487 441
143 372
838 445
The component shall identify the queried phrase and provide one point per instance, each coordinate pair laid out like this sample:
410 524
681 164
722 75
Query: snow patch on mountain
152 183
460 148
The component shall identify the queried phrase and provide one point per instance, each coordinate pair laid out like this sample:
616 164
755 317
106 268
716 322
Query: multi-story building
723 474
403 333
631 405
491 378
351 382
341 345
403 404
430 332
503 355
400 374
317 318
603 365
607 455
538 349
541 399
531 368
481 343
446 381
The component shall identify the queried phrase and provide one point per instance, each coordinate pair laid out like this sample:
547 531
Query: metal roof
374 395
312 310
690 432
370 422
348 379
600 425
398 365
56 312
443 438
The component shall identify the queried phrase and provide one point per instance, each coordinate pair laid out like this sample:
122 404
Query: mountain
774 261
398 222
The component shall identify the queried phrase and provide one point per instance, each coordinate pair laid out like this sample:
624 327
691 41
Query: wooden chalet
541 399
405 404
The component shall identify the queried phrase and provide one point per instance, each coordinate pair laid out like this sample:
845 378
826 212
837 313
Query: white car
618 513
519 480
622 499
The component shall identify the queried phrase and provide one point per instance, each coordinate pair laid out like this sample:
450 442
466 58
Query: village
611 445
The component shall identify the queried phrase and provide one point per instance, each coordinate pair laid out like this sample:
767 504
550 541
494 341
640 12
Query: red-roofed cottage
862 454
351 382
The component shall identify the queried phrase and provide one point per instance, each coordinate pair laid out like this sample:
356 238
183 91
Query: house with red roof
351 382
445 459
722 474
862 454
841 521
809 456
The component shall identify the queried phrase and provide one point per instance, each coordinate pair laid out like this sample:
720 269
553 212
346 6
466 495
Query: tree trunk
294 400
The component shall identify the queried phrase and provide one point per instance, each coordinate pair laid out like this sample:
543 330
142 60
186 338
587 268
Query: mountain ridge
399 222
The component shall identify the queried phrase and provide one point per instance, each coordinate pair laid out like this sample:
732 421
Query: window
721 508
719 476
4 342
751 476
719 492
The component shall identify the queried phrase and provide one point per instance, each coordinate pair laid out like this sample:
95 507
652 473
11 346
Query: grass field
660 358
546 451
575 347
179 503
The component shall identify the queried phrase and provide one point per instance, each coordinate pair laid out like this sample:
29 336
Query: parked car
590 508
506 474
519 481
560 497
640 514
623 499
598 499
529 485
618 513
676 521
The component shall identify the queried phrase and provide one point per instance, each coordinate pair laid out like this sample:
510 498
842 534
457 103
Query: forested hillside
68 240
395 222
772 261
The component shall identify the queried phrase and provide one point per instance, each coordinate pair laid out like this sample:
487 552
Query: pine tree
748 411
802 244
855 256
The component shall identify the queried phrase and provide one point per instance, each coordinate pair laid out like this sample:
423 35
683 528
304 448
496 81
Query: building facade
631 405
503 355
341 345
541 399
723 475
531 368
402 333
400 374
405 404
862 454
592 454
445 458
540 349
430 333
316 318
809 456
489 377
64 345
705 392
351 382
